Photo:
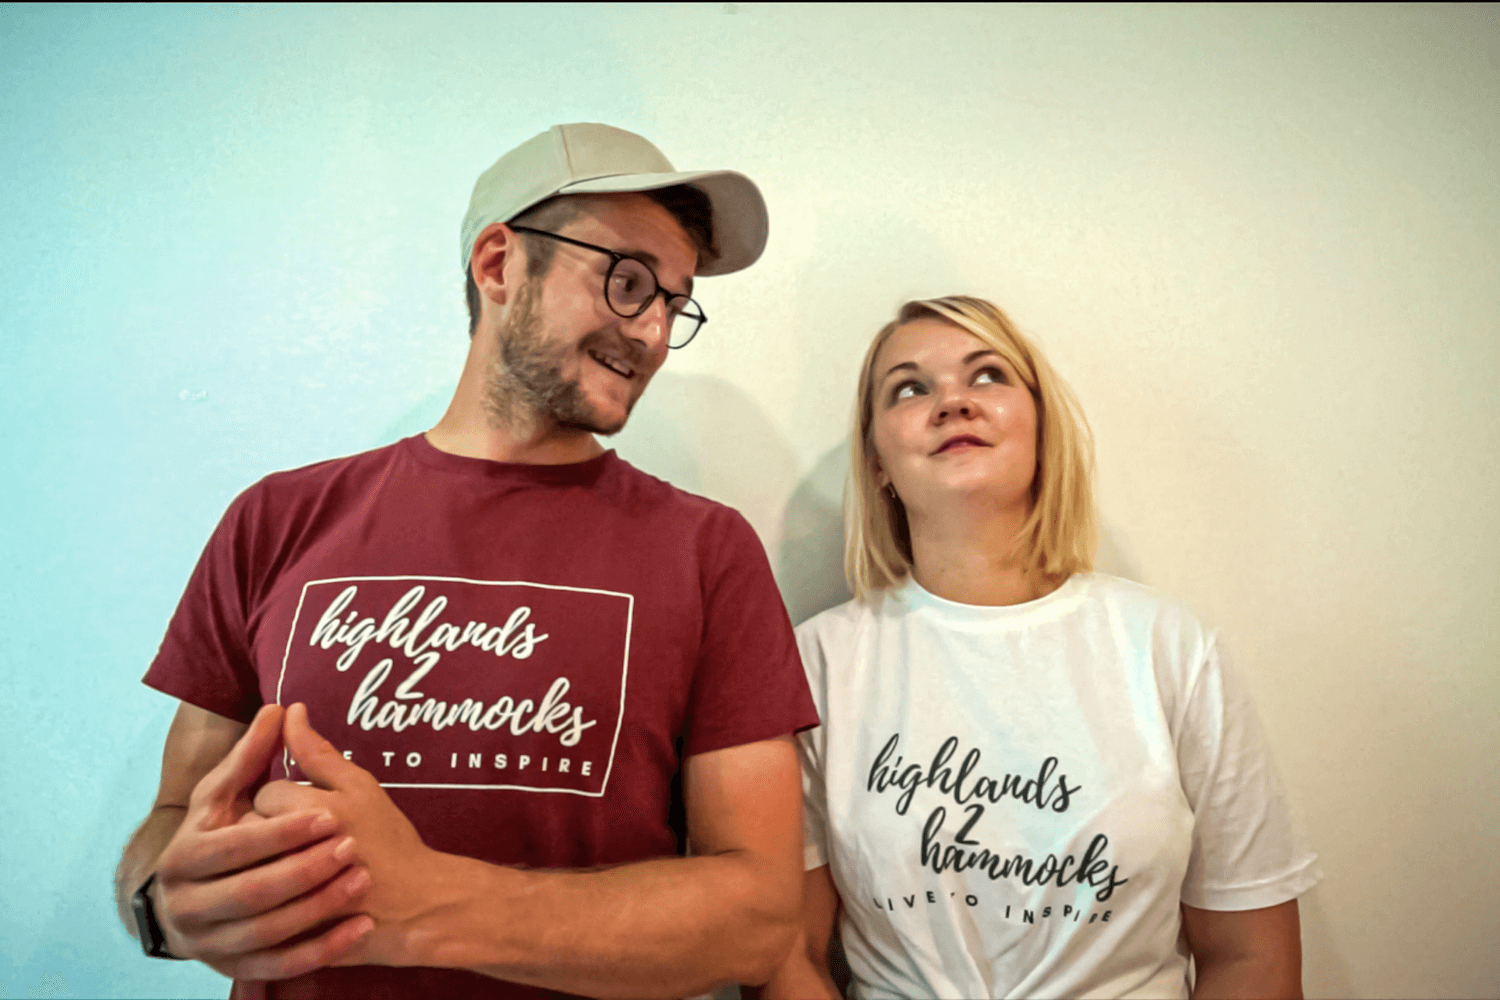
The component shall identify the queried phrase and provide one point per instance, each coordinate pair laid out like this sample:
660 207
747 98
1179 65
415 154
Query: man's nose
652 328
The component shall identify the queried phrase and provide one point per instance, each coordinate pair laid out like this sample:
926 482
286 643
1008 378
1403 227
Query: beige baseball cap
585 158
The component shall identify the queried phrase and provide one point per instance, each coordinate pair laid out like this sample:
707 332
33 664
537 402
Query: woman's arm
1245 953
804 975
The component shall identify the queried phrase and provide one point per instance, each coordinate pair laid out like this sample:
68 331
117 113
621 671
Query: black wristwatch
153 938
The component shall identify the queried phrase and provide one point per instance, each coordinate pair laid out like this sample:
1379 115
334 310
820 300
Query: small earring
892 491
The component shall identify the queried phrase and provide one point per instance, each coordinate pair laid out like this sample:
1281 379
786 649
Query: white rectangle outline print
624 671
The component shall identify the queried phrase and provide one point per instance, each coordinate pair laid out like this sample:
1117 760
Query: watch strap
153 938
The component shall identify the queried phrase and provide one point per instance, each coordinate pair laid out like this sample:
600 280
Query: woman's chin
976 494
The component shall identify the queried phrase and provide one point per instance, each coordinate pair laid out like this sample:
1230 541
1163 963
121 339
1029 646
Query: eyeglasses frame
615 257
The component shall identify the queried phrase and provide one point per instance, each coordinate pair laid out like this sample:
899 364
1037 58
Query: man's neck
468 430
477 440
499 447
475 430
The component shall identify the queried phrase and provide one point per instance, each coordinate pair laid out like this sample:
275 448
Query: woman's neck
969 557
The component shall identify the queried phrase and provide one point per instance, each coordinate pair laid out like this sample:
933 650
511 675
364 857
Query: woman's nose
953 400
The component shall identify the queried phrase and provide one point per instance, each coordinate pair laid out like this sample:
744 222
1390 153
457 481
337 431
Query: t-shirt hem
724 741
1271 892
199 699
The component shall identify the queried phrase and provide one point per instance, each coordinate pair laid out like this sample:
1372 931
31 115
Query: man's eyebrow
642 255
650 260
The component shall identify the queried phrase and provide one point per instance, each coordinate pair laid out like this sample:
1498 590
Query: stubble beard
525 386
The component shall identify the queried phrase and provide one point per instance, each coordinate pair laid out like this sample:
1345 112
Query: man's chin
600 430
597 423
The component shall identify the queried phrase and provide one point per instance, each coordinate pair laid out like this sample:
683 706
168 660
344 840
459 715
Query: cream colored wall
1262 244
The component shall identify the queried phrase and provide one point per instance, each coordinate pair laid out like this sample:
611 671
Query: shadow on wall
810 559
1112 558
706 435
1324 970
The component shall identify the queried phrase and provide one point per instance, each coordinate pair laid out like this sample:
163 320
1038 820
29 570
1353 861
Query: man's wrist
150 929
463 918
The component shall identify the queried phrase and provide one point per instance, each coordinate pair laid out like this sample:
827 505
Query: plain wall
1260 242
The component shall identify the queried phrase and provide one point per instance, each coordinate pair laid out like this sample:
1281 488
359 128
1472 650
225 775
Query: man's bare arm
196 742
217 862
678 926
804 974
668 927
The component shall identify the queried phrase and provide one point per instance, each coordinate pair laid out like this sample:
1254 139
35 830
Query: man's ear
496 257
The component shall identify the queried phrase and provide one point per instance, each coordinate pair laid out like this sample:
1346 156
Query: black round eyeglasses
630 286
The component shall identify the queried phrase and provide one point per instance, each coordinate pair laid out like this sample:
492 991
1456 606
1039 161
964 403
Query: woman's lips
961 441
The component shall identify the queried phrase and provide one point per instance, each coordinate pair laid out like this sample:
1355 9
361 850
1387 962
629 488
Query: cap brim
740 221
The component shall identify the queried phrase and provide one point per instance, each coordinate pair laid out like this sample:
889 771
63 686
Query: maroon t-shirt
513 651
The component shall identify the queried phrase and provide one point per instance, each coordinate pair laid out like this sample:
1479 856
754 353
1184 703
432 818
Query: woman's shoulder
1139 603
841 620
1157 635
1148 616
834 643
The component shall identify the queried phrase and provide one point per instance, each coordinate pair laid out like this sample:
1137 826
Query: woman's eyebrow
908 365
969 359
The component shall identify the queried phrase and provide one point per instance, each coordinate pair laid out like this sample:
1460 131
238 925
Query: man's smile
614 364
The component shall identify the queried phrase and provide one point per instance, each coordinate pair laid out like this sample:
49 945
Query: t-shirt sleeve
810 747
204 658
748 685
1246 853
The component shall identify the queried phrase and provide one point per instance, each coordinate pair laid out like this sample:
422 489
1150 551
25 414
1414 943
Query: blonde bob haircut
1059 536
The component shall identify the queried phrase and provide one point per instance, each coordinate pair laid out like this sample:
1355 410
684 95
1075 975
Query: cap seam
567 150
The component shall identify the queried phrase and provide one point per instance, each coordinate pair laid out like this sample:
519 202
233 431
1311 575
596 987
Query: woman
1031 780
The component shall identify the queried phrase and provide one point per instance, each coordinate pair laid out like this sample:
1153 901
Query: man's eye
624 282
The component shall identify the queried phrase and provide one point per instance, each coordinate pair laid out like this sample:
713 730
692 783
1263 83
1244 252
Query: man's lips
614 364
961 441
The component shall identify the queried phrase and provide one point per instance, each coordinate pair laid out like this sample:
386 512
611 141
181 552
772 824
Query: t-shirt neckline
1064 599
426 453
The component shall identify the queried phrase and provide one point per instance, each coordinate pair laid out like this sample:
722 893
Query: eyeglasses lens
686 320
631 285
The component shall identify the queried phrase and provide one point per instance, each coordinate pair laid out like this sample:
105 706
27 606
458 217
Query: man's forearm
800 977
141 854
668 927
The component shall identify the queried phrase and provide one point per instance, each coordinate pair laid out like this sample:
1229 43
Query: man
513 639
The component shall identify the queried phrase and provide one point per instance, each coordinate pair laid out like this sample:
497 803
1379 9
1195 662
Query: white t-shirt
1012 801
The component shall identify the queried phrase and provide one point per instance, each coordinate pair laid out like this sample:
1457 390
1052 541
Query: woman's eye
992 376
906 390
